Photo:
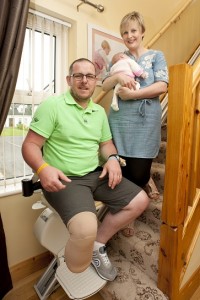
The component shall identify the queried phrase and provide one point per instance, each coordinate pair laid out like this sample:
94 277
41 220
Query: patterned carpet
136 257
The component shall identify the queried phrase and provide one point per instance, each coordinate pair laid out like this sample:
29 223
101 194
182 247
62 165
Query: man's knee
139 203
143 200
83 225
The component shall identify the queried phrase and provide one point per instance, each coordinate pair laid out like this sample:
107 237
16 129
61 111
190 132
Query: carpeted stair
136 257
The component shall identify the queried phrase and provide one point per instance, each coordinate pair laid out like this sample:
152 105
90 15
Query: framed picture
102 45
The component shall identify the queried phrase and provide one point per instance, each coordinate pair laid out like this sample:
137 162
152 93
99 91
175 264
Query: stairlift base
76 285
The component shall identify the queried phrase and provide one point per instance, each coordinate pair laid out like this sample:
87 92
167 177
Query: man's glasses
80 76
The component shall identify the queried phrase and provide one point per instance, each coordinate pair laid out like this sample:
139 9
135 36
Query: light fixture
99 7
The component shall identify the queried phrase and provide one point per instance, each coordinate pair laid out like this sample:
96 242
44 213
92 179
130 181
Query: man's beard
80 98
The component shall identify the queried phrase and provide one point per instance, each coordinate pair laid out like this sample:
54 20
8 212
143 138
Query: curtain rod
37 13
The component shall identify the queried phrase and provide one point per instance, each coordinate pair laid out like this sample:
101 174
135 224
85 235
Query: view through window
41 68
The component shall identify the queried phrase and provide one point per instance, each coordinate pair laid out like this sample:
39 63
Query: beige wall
156 14
18 218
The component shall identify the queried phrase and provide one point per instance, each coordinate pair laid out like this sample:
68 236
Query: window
42 73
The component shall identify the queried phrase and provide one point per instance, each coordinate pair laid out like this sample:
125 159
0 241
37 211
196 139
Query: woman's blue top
136 127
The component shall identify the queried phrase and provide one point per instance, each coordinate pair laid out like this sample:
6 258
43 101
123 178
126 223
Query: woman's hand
126 93
126 81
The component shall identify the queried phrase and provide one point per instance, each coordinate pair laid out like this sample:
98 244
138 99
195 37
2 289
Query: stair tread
136 257
158 175
130 282
139 248
158 165
161 157
142 248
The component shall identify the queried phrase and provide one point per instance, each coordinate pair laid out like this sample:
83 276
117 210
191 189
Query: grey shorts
80 195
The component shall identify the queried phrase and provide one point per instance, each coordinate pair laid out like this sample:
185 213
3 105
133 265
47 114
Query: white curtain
48 56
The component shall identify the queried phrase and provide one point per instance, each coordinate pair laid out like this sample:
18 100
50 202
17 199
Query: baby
121 63
101 60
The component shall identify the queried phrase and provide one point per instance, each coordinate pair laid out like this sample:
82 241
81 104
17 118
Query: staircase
136 257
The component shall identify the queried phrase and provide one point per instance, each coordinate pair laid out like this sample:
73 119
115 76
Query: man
68 136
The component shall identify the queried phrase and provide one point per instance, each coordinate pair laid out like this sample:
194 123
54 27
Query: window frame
13 185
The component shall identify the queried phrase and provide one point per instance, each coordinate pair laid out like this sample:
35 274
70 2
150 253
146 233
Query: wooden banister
178 148
181 201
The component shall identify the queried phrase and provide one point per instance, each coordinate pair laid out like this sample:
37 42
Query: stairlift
52 234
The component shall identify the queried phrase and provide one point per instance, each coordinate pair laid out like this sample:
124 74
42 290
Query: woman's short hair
132 16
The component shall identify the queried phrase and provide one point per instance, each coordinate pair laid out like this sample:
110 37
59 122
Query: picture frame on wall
102 45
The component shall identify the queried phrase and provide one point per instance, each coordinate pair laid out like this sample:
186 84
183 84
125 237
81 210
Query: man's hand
50 179
113 169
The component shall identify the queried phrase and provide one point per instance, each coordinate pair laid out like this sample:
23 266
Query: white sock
97 245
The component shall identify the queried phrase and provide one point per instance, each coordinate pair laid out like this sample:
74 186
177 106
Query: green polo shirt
72 133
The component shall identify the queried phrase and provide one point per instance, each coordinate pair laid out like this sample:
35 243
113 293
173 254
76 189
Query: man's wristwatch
116 156
121 161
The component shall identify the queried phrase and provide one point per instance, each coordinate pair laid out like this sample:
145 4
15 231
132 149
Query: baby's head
118 56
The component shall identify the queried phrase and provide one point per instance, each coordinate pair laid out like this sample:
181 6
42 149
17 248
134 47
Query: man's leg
112 223
76 207
79 248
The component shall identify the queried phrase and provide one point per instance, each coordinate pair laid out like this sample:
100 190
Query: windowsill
10 189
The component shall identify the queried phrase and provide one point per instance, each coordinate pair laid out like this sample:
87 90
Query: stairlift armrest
28 187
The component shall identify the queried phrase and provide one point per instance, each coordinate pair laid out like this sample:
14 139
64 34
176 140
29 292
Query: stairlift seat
50 231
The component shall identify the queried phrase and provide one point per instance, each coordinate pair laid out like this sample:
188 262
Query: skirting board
30 266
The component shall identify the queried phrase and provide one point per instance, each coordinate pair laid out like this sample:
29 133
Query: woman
136 127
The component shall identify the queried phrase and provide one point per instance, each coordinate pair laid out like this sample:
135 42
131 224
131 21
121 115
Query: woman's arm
151 91
120 78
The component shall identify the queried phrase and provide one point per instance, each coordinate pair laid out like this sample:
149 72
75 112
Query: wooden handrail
169 23
196 73
100 96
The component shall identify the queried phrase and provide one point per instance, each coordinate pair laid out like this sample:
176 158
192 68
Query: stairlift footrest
79 285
